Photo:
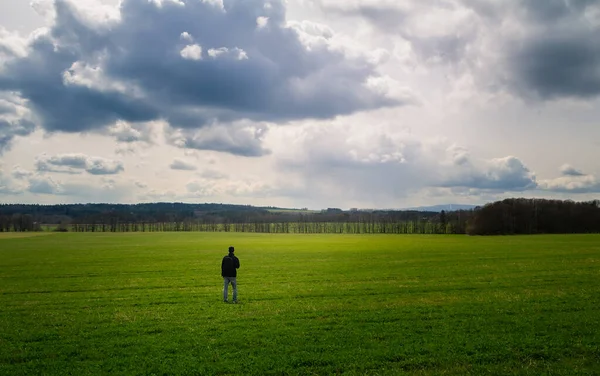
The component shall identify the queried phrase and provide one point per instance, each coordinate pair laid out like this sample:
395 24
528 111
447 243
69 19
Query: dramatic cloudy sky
299 103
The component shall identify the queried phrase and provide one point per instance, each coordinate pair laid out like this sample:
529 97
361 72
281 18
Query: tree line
535 216
511 216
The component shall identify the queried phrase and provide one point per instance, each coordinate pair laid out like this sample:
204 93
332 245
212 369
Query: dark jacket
229 266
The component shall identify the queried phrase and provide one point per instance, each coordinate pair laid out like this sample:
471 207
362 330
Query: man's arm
237 263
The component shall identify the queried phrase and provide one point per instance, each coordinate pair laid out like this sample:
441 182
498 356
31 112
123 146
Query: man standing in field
229 267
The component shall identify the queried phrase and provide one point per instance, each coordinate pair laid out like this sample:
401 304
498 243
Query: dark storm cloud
552 66
557 51
38 77
552 11
189 64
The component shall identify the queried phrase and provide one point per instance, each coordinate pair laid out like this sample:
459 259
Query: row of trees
301 226
511 216
227 218
299 223
535 216
18 223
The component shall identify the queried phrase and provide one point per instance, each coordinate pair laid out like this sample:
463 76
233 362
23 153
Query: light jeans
226 282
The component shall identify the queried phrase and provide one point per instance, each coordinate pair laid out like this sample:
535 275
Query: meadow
151 304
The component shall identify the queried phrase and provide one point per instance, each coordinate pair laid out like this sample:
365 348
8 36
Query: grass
150 304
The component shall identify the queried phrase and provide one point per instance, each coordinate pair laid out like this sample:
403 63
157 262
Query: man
229 267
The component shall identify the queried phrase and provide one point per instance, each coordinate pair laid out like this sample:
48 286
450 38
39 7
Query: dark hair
231 249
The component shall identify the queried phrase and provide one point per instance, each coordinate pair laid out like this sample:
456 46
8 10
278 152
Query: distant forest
510 216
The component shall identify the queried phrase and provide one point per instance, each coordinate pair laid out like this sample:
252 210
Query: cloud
546 50
235 188
187 36
192 52
213 175
572 184
181 165
96 66
15 120
19 173
43 184
563 63
262 22
102 166
73 163
11 129
241 139
130 133
507 174
102 190
572 180
542 50
382 164
11 45
8 186
569 170
437 31
224 52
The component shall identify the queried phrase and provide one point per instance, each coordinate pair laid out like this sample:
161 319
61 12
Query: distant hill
446 207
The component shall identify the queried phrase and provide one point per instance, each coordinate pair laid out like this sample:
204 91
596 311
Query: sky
299 103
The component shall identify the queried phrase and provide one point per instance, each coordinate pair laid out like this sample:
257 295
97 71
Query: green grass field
151 304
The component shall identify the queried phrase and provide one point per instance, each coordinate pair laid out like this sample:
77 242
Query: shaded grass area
146 304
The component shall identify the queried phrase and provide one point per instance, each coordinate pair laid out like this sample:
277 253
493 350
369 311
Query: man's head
231 250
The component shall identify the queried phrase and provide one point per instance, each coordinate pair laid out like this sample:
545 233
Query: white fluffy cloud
580 184
129 133
572 181
192 52
386 164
